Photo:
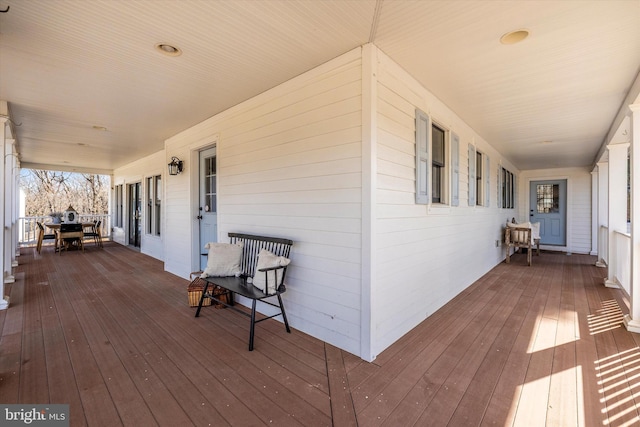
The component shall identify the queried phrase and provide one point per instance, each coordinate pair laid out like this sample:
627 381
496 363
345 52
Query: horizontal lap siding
289 165
581 227
423 258
138 171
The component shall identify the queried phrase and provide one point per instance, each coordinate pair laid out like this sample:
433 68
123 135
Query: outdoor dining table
60 236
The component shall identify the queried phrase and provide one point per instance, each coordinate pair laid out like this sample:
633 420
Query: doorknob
199 217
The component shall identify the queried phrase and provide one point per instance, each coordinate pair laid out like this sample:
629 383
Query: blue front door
208 214
548 206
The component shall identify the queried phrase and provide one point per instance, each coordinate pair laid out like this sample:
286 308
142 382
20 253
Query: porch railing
620 260
28 230
603 244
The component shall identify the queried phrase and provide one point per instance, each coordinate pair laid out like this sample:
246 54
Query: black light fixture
175 167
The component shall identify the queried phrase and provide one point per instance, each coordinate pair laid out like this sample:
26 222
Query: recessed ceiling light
514 37
102 128
168 49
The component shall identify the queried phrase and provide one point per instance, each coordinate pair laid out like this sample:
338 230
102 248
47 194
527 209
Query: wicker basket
195 292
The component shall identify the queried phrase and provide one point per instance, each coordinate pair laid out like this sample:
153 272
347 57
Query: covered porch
110 333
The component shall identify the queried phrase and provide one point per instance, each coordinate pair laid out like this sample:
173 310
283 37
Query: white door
208 207
548 206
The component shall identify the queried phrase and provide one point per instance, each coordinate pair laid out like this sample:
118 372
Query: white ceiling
68 66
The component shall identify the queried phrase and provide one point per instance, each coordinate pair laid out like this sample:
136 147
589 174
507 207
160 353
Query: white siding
578 203
134 172
289 165
425 255
368 263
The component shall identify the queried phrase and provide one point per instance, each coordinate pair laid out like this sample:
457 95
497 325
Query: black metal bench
252 245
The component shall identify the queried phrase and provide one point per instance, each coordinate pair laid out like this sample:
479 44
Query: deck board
435 389
342 411
110 333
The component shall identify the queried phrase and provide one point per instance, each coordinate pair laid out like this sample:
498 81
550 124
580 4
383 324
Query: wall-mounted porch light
175 167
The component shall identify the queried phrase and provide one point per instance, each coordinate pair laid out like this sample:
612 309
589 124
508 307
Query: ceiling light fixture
513 37
168 49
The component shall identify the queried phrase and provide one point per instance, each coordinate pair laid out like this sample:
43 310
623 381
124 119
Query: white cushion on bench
517 236
267 259
223 260
535 230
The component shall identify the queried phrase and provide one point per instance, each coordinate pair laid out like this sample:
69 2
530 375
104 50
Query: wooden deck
111 334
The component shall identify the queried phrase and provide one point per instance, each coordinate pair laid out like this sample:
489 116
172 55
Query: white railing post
603 246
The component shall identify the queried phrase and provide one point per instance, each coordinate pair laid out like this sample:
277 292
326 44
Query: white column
15 191
7 207
603 213
4 301
617 201
595 226
632 320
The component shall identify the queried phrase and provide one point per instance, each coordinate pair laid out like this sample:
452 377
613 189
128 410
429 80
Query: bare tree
47 192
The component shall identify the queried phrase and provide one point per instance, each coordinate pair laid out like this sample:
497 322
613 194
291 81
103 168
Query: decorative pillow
271 279
223 260
535 231
519 236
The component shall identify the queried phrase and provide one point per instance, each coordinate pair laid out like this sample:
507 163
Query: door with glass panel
548 206
135 214
208 207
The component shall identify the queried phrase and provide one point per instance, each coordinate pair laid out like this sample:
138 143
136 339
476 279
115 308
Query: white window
154 192
506 189
118 205
438 164
479 178
432 163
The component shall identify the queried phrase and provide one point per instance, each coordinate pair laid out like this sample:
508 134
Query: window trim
480 181
442 166
472 174
423 140
455 169
449 187
506 188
